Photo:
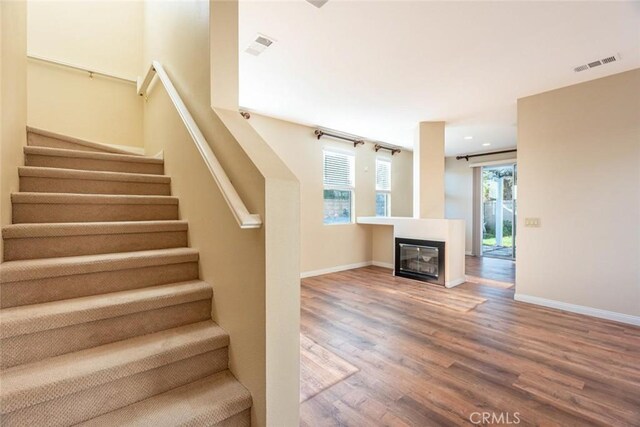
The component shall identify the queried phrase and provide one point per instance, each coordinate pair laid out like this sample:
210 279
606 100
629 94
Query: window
338 187
383 187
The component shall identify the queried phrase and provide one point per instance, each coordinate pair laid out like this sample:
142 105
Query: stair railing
90 71
238 209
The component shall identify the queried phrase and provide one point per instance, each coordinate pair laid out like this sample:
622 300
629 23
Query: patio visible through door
498 211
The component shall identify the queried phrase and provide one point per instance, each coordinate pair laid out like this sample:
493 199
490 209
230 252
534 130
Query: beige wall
383 246
458 183
98 35
101 35
579 172
329 246
428 166
254 273
13 100
70 103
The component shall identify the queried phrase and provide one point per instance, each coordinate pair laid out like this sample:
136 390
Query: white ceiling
377 68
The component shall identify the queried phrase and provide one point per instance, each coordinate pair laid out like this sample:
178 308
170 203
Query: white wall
579 173
103 36
328 246
458 183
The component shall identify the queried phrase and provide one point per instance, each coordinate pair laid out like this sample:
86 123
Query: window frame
383 191
351 188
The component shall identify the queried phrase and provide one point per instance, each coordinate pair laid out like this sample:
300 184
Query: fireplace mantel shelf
450 231
379 220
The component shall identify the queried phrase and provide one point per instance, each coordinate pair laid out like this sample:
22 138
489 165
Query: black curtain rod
382 147
468 156
320 133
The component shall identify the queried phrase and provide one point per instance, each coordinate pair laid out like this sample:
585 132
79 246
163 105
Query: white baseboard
468 253
383 264
454 283
335 269
580 309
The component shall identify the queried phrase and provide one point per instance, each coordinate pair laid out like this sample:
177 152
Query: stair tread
41 381
208 401
62 173
20 231
29 319
78 141
13 271
63 152
111 199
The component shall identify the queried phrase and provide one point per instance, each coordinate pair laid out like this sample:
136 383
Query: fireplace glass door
419 259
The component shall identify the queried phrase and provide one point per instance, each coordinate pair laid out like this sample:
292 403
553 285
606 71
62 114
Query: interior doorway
498 211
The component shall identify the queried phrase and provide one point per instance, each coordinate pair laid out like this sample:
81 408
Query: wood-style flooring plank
495 271
432 356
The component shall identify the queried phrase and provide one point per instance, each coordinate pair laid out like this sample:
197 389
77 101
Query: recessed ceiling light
468 137
486 144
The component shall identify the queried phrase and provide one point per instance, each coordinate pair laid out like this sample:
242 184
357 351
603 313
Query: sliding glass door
498 211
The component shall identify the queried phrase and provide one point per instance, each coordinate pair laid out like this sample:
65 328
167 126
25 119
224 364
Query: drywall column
223 40
281 228
428 171
13 99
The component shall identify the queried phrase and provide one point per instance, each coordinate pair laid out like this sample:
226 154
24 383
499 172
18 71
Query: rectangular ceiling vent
318 3
259 45
594 64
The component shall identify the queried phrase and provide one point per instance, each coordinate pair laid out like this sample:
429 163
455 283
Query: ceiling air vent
598 63
259 45
318 3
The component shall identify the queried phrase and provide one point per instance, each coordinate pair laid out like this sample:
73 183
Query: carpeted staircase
104 321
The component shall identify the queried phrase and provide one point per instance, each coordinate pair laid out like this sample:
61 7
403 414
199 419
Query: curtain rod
382 147
469 156
320 133
356 141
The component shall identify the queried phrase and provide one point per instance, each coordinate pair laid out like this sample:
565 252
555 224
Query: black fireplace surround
420 260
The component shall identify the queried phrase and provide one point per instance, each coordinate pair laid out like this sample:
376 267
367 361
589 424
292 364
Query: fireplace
420 260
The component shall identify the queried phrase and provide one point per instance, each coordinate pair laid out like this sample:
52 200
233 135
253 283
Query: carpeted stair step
75 387
51 240
44 138
37 281
86 160
61 207
218 400
55 180
34 332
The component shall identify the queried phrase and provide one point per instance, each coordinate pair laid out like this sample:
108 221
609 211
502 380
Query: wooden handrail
238 209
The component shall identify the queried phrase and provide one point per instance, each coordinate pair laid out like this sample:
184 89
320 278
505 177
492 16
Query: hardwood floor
320 368
430 356
491 269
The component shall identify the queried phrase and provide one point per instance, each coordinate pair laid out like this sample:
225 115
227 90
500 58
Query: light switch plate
532 222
